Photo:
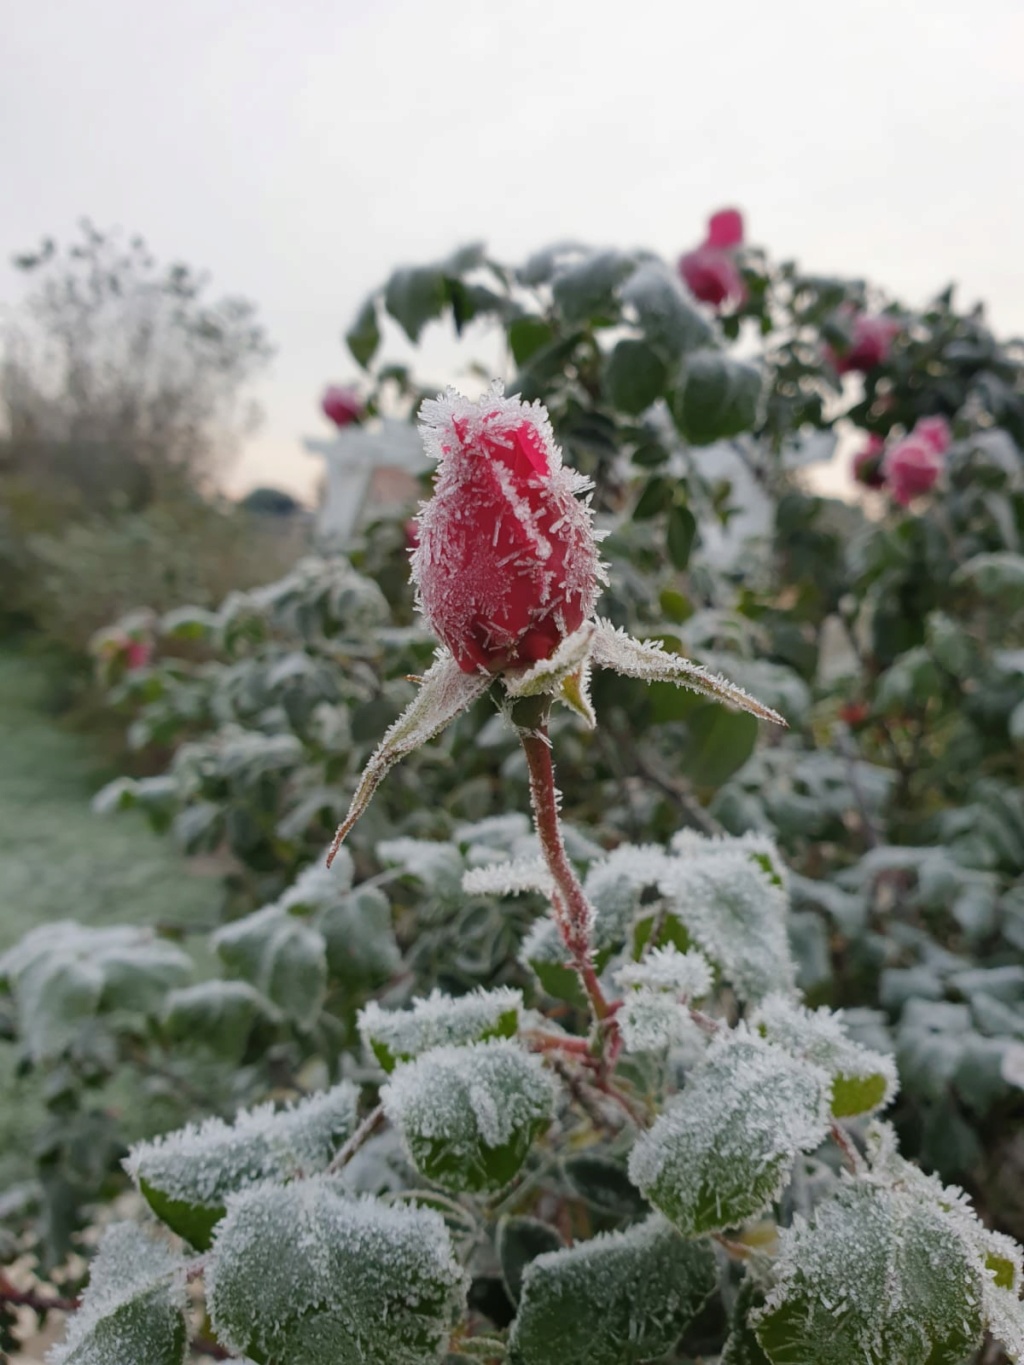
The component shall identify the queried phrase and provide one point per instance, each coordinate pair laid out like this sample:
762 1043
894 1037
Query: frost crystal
509 879
615 886
720 1153
133 1309
439 1020
469 1114
761 849
304 1273
736 914
188 1175
863 1081
651 1021
620 1296
687 975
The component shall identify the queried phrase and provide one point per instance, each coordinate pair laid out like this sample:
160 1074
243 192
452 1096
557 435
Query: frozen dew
469 1115
686 975
439 1020
509 879
653 1020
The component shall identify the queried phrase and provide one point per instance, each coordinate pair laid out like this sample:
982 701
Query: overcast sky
299 149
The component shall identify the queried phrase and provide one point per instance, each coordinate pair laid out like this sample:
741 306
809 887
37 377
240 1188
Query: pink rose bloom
870 342
867 463
710 271
911 468
342 406
935 432
137 654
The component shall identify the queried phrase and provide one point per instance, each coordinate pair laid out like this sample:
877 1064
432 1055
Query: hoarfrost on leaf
281 956
509 879
469 1115
134 1308
617 1298
439 1020
305 1273
760 848
878 1276
615 887
736 913
687 975
862 1081
188 1175
652 1020
434 863
721 1151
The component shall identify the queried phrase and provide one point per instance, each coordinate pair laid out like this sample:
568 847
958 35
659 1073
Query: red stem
573 913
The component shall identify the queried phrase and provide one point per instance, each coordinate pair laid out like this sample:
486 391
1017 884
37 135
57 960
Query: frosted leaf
614 888
564 674
360 938
317 885
64 973
188 1175
737 915
444 691
134 1308
862 1081
469 1115
281 956
721 1151
617 1298
305 1274
878 1276
665 310
500 833
687 975
509 879
652 1020
215 1016
434 863
762 849
613 648
439 1020
543 952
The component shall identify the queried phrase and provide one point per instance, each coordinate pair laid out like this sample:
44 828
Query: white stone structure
353 456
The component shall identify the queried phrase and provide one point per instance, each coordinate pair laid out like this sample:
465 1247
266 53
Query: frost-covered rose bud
342 406
507 564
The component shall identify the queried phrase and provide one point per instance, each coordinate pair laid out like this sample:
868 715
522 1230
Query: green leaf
301 1273
281 956
682 530
720 1154
666 314
604 1184
363 337
994 576
464 259
188 623
634 376
415 296
215 1016
469 1115
520 1241
187 1176
134 1308
654 498
718 397
526 336
587 290
718 743
618 1298
439 1020
360 939
879 1276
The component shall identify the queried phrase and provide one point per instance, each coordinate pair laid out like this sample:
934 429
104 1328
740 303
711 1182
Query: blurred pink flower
871 338
911 467
342 406
867 463
137 654
936 432
710 270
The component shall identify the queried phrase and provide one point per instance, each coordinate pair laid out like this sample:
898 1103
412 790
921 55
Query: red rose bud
342 406
507 564
867 463
854 713
710 272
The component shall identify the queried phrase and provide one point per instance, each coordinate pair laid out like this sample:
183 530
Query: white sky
299 149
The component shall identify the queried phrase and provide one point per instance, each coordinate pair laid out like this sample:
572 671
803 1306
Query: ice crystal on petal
687 975
720 1152
469 1114
439 1020
133 1309
305 1273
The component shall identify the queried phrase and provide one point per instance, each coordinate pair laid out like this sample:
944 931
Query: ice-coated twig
362 1135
